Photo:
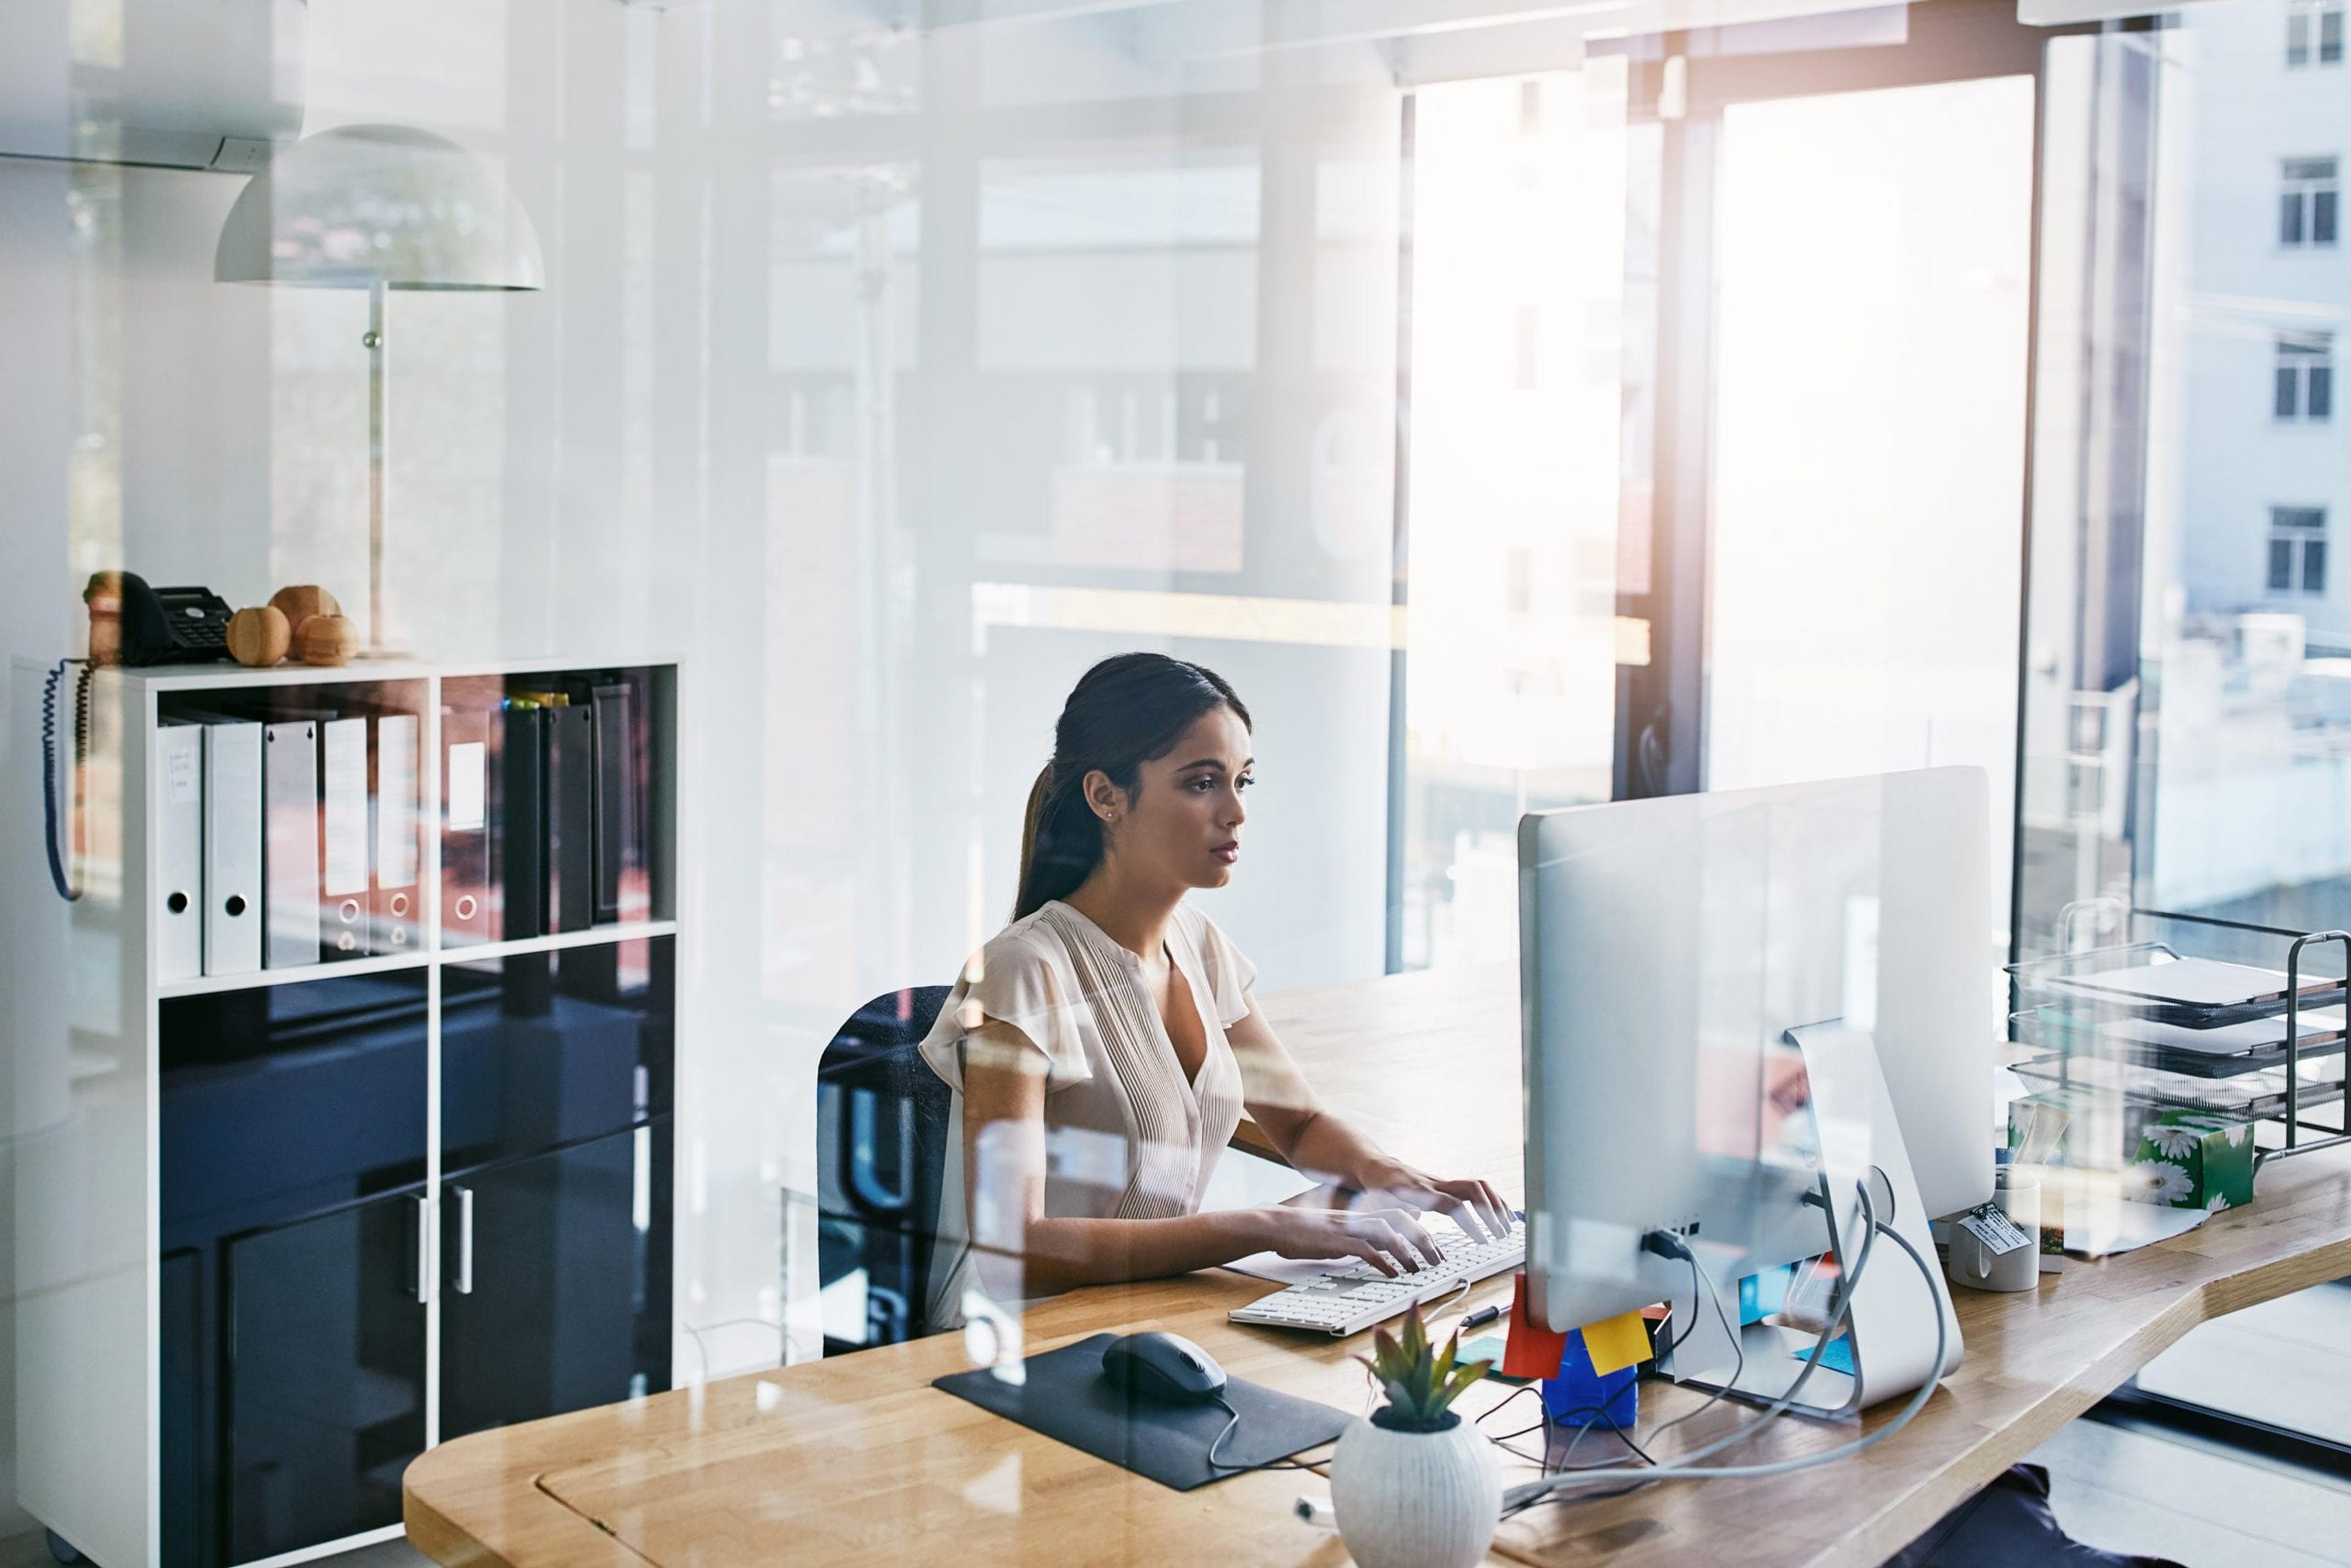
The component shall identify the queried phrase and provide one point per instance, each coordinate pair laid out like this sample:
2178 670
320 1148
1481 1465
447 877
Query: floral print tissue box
2191 1159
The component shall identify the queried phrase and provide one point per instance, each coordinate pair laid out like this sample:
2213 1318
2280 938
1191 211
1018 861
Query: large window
2306 202
1517 396
2186 731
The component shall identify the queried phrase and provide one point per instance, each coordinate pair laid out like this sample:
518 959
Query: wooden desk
857 1460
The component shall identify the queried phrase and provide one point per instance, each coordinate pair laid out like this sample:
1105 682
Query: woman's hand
1475 1205
1389 1240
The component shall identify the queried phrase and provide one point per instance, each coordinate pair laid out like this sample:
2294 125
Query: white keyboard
1350 1300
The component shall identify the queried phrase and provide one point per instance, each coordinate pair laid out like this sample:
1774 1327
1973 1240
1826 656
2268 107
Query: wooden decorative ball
298 603
326 640
260 637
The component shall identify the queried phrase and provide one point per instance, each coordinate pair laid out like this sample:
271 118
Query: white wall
700 439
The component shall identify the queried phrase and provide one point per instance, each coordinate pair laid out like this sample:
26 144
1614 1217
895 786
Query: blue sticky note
1760 1295
1838 1357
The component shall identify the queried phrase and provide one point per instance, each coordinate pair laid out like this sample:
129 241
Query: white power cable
1841 1309
1535 1491
1737 1336
1840 1315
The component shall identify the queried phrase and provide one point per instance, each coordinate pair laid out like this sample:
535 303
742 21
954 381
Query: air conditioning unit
176 84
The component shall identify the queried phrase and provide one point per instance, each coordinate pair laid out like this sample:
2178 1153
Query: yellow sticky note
1619 1343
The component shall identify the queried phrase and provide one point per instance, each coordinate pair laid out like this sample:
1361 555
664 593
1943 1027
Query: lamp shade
362 205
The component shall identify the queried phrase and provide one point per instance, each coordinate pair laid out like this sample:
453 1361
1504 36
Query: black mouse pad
1067 1399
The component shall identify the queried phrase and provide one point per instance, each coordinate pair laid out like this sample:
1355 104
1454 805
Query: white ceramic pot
1409 1499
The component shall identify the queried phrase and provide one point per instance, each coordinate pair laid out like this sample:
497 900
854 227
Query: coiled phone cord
57 856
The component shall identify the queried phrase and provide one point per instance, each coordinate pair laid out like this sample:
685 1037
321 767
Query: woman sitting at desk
1111 1023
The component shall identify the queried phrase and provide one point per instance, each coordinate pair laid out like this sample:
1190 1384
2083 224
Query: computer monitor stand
1890 1342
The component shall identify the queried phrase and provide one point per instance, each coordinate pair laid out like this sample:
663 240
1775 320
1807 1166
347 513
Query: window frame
2314 36
2301 383
2300 532
2310 199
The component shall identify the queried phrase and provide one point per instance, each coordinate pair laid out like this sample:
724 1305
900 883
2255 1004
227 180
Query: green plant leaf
1460 1381
1420 1380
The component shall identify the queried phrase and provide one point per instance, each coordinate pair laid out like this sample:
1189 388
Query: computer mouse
1163 1367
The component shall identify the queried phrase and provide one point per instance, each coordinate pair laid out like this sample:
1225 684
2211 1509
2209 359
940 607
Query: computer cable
1841 1309
1598 1417
1522 1497
1504 1440
1286 1462
1585 1416
1689 1257
1677 1246
1234 1420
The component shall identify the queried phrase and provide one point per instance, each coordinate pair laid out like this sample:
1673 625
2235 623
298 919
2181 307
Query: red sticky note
1532 1351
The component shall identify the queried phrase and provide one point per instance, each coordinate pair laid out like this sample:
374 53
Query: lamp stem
376 456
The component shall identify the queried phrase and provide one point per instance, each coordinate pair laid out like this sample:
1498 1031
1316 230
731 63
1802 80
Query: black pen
1480 1318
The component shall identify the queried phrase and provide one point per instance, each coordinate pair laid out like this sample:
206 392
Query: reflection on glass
1867 528
2186 732
1518 280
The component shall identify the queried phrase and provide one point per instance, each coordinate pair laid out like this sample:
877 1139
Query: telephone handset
129 623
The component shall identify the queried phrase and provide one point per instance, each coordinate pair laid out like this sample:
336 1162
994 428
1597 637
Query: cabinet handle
464 1240
423 1249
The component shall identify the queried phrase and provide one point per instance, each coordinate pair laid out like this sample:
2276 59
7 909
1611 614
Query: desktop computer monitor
1673 953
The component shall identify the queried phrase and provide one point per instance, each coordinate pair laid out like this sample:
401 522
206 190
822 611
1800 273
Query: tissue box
2170 1155
2191 1159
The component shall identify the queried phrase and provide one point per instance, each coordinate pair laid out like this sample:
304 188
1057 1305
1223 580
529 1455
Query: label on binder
183 773
468 799
344 807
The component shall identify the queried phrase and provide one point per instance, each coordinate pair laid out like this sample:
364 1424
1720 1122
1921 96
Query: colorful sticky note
1617 1344
1838 1357
1534 1351
1760 1295
1488 1347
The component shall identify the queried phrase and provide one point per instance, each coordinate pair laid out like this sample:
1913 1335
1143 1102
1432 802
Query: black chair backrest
882 1145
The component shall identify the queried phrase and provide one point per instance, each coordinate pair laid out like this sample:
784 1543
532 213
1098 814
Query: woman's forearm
1324 1147
1063 1254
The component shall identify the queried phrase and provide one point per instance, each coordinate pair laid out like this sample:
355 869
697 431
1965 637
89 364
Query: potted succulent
1416 1486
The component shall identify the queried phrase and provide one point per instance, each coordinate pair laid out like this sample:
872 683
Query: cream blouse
1128 1136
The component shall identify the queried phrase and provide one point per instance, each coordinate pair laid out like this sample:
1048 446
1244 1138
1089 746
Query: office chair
882 1141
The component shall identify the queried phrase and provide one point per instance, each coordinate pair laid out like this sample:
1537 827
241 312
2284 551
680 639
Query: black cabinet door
539 1051
556 1282
278 1106
323 1385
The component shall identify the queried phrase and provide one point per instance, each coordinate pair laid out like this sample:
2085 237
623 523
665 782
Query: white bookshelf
83 1017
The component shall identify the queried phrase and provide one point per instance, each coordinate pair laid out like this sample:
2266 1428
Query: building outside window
2306 376
2297 549
2307 201
2313 34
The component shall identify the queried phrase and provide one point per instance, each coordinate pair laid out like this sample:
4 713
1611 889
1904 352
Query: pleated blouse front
1127 1134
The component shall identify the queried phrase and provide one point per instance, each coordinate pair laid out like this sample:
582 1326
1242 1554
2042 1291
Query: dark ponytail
1127 711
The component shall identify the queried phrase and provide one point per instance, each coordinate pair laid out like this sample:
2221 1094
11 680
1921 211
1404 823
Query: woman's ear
1104 798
